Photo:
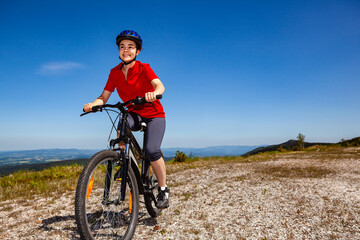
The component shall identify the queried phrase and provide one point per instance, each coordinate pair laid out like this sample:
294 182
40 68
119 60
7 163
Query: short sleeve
149 73
110 85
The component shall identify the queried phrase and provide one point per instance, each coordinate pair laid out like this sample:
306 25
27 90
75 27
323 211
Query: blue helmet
131 35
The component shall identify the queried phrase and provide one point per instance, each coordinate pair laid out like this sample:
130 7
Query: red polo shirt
138 83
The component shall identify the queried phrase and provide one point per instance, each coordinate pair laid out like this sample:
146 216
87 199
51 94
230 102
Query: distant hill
11 161
6 170
209 151
291 144
9 158
286 145
355 142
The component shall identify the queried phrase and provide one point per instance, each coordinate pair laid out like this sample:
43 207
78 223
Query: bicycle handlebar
137 101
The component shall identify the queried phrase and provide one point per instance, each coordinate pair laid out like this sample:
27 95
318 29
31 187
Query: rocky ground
312 195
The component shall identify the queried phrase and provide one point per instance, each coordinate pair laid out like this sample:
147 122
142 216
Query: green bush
281 149
180 156
301 141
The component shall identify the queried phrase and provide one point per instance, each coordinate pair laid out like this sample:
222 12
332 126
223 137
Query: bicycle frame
128 157
116 180
126 154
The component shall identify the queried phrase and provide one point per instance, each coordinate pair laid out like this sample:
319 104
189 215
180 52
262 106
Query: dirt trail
312 195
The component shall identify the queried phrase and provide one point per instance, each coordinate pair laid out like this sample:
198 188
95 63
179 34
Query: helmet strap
126 63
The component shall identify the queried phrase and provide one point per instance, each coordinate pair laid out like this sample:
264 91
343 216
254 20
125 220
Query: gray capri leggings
153 135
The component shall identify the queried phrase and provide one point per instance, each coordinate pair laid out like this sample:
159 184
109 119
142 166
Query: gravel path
312 195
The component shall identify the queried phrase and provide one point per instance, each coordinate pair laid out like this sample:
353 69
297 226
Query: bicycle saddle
143 126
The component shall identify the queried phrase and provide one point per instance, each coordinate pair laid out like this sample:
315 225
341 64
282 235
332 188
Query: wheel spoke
99 213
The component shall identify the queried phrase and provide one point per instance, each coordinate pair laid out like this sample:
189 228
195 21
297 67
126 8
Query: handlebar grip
93 109
96 108
141 100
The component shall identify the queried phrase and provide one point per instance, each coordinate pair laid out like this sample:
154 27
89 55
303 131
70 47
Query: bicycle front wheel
99 212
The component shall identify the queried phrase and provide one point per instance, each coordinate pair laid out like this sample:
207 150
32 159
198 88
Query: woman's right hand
88 107
99 101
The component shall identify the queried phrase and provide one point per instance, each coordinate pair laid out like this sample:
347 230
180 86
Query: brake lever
139 100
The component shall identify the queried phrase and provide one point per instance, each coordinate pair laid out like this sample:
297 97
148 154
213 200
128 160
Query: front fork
122 173
107 181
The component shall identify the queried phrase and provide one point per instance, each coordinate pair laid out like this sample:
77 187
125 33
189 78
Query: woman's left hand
150 97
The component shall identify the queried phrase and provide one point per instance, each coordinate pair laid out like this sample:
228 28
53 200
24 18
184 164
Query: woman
132 78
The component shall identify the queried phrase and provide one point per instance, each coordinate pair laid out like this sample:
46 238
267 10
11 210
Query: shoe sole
163 207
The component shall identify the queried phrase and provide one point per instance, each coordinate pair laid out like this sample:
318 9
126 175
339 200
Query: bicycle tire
152 183
100 219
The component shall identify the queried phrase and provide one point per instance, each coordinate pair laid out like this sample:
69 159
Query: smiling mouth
127 59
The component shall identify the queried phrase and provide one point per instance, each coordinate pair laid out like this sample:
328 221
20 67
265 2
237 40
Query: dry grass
44 183
64 178
311 194
294 172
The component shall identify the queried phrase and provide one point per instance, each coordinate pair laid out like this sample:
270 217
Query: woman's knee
153 154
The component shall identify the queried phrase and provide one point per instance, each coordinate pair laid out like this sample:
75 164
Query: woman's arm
104 97
159 90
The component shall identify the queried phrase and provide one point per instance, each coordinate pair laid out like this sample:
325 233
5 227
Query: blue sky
235 72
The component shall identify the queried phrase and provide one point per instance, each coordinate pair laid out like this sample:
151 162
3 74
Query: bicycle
110 184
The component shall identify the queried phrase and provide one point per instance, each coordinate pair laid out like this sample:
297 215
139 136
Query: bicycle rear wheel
99 212
149 196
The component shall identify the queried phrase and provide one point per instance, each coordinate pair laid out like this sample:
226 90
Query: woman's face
127 50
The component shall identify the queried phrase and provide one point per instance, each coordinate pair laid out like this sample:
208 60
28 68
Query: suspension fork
124 155
124 160
108 176
107 181
124 170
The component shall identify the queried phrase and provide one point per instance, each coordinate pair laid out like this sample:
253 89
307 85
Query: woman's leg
153 138
160 171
